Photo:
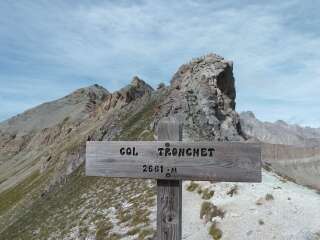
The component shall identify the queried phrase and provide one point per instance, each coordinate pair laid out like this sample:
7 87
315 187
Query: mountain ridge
279 132
44 193
43 148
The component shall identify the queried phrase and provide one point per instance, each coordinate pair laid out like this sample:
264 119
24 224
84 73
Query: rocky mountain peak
139 85
136 81
247 115
208 67
94 89
203 95
283 123
136 89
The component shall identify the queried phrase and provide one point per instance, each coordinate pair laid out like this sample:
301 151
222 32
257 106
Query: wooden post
169 192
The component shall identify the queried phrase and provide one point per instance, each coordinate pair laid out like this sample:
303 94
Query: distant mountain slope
75 107
290 150
279 132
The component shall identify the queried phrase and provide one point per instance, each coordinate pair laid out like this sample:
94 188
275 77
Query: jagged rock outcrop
203 97
136 89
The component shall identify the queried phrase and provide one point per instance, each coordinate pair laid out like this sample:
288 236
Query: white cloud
109 42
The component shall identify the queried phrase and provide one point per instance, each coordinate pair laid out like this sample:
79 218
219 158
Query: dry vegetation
91 207
215 232
207 194
192 186
233 191
269 197
209 211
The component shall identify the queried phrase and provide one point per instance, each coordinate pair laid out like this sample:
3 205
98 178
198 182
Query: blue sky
50 48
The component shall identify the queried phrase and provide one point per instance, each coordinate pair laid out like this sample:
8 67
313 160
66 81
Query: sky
50 48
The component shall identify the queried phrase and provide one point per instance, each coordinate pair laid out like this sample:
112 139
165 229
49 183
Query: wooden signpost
169 160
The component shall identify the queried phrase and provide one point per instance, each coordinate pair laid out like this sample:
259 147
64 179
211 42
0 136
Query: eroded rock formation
203 97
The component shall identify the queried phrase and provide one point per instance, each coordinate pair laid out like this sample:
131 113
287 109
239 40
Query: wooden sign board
175 160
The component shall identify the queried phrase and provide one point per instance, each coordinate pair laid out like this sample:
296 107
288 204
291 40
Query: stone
204 90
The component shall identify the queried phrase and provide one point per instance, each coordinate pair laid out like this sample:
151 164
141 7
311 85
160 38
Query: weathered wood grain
169 192
230 162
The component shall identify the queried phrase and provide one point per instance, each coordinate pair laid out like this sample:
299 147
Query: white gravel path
294 213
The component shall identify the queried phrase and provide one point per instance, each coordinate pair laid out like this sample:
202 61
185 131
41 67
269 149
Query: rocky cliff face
42 151
137 89
202 95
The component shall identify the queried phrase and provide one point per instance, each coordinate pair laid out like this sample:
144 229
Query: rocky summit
202 94
45 195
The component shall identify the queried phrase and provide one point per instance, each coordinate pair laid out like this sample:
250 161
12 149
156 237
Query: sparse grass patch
84 230
146 135
13 195
136 124
133 231
192 186
207 194
215 232
145 233
123 216
114 236
233 191
269 197
209 211
140 216
150 202
53 208
103 229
